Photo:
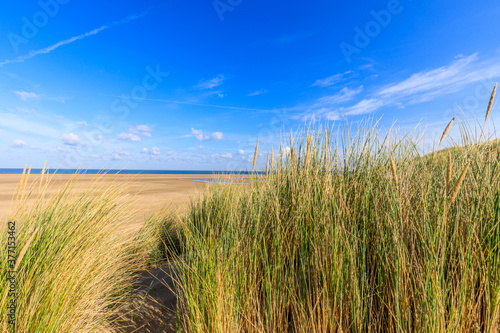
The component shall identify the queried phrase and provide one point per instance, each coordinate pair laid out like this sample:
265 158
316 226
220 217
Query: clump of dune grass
352 232
76 257
162 237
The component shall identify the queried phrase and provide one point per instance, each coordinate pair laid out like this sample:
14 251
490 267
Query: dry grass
76 257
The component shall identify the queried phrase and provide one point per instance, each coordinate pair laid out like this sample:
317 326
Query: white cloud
82 123
155 151
134 131
333 80
226 155
258 92
18 143
241 152
129 137
144 150
199 134
25 95
212 83
70 139
217 136
144 128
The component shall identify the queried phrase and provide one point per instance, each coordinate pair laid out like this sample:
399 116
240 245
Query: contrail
51 48
192 103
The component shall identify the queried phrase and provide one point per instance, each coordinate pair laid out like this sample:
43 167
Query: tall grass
76 257
351 233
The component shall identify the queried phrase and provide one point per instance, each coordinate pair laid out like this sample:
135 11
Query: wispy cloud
333 80
211 83
17 123
23 110
258 92
420 87
34 53
290 38
365 106
442 79
329 106
18 143
25 95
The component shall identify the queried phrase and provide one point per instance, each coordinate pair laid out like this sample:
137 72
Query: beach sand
152 191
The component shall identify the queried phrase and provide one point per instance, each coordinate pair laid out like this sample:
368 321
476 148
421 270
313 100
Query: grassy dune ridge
351 233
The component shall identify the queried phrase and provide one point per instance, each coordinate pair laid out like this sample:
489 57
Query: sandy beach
152 191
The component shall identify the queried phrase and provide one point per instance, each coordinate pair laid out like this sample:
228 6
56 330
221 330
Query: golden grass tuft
77 256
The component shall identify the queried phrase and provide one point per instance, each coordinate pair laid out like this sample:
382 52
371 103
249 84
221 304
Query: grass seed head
306 164
446 130
267 165
394 174
326 147
459 182
255 154
490 104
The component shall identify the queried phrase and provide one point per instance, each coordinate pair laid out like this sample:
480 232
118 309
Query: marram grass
352 232
76 257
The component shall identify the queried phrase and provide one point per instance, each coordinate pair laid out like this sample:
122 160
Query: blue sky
193 84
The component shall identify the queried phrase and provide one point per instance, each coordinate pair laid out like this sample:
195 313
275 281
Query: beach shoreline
152 192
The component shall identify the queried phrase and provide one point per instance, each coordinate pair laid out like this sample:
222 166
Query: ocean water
123 172
215 180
